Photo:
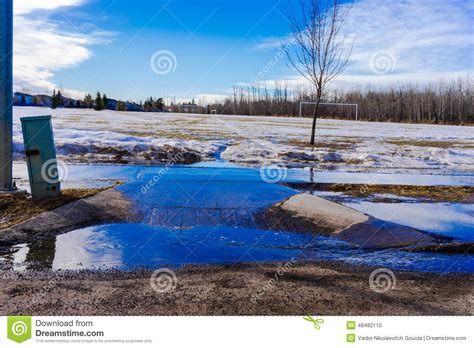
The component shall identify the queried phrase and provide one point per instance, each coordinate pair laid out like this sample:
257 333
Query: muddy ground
18 208
322 288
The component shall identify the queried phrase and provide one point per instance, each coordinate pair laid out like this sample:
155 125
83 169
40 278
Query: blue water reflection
128 246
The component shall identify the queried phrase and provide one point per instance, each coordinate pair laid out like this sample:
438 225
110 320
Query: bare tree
317 46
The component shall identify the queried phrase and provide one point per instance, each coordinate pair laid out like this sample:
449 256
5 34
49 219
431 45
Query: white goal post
334 104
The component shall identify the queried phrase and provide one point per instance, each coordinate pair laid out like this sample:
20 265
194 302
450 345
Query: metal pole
6 94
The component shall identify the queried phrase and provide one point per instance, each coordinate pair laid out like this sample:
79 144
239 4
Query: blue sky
108 45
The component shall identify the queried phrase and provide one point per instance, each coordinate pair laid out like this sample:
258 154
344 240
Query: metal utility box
41 156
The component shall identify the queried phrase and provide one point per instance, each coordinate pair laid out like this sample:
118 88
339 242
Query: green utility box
41 156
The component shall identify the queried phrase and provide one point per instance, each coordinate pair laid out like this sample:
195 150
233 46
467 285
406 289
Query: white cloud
419 40
271 43
205 99
199 99
425 37
43 47
22 7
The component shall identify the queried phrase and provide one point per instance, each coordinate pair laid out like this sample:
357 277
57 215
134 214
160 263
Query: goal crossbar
334 104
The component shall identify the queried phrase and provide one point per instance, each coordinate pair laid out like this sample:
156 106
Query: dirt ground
319 288
18 208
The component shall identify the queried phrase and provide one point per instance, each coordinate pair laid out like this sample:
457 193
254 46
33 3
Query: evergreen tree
149 104
121 106
59 99
23 99
35 101
78 104
98 102
54 100
88 102
159 104
105 101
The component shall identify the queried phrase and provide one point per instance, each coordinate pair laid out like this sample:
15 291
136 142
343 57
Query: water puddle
203 214
132 246
97 175
447 219
187 197
379 178
454 220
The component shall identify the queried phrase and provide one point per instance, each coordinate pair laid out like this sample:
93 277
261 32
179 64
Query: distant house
43 100
132 106
190 108
23 99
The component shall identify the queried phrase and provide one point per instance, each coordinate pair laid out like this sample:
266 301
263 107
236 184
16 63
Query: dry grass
431 143
19 208
454 194
333 145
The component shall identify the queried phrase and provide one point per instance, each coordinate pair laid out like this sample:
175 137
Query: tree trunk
315 117
319 93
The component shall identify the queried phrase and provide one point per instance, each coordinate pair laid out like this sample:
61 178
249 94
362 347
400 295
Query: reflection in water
16 260
130 246
447 219
81 175
41 254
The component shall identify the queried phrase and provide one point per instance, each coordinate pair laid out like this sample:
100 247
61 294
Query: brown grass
431 143
454 194
19 208
333 145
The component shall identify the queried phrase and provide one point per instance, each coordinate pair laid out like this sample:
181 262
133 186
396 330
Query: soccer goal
356 106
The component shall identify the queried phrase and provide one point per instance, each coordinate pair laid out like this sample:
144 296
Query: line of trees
102 102
152 104
57 100
448 102
442 102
